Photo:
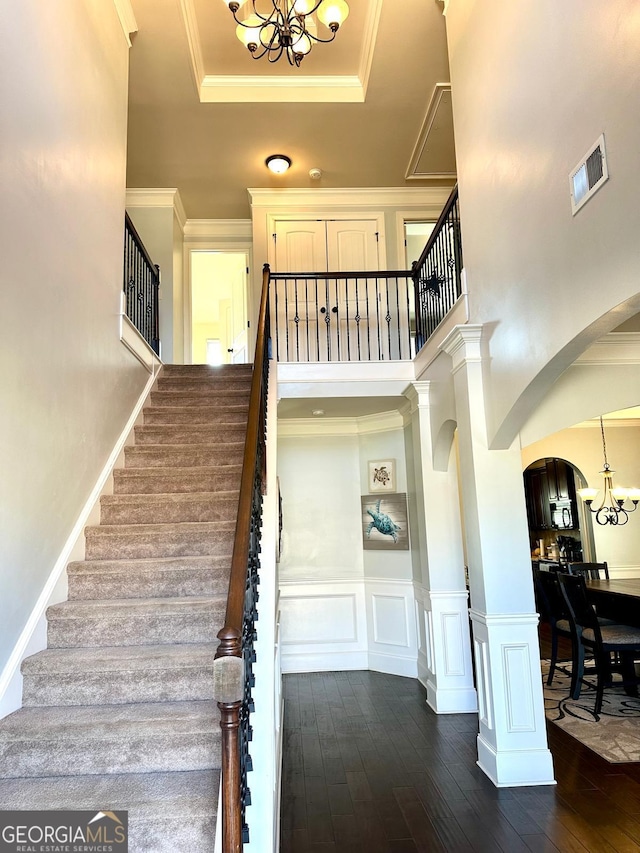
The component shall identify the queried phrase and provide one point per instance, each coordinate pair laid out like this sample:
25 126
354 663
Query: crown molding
369 43
193 40
613 348
365 425
158 197
250 89
127 18
354 196
219 229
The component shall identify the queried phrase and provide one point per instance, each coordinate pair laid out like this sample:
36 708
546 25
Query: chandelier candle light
286 27
611 510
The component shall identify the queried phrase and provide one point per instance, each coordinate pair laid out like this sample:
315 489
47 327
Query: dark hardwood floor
368 767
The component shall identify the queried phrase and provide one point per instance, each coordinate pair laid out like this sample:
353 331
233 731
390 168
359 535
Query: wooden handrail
229 680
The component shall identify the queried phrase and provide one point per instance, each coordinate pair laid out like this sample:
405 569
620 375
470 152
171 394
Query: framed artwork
385 524
382 476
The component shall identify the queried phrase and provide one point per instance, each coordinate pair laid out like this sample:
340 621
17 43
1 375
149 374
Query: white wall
68 384
582 446
342 607
539 279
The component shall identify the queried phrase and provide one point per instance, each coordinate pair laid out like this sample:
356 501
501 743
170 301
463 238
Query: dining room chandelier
276 28
612 509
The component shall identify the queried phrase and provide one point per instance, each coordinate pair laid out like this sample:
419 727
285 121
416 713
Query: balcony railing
141 286
342 316
437 275
369 316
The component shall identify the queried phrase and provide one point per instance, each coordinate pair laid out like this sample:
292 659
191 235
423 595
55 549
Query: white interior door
326 319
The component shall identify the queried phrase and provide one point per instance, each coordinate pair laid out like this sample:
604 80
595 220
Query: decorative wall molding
127 18
349 623
157 197
412 174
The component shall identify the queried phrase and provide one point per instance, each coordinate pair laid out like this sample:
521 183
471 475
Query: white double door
334 318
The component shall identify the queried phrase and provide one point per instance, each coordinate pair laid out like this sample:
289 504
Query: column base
451 700
516 768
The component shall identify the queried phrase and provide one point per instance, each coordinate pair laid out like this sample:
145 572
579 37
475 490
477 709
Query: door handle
230 349
334 310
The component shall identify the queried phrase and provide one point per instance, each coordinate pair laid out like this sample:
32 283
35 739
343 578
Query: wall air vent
588 176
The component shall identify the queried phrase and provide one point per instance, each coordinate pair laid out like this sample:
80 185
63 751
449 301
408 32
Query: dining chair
600 639
591 571
553 610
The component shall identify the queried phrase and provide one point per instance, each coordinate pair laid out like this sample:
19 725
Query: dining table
616 598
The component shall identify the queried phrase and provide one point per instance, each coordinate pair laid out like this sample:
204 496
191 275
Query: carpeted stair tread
118 675
177 480
189 434
205 384
135 541
159 577
144 738
220 454
168 508
198 398
233 413
168 812
134 621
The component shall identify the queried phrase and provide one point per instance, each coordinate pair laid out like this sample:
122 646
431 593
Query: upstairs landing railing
141 286
233 666
369 316
437 274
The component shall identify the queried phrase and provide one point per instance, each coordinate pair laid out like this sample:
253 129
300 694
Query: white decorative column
512 740
441 598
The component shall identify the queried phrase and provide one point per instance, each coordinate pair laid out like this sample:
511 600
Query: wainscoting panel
328 626
323 626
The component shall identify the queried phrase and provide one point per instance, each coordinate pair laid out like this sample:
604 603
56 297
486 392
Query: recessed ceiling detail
321 87
434 152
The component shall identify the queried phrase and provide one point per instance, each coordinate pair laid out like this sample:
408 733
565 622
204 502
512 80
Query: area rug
614 734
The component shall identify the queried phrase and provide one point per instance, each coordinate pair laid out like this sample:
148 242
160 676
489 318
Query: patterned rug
614 735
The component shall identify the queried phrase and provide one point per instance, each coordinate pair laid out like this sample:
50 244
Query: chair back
591 571
550 597
581 612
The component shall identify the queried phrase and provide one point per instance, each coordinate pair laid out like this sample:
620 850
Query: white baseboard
624 571
34 634
393 664
451 700
323 661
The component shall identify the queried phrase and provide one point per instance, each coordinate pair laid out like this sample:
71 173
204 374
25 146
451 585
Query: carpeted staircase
118 710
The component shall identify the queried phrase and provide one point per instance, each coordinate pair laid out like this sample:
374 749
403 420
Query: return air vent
588 176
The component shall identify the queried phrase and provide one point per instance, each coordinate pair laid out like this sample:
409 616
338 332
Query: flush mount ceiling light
611 510
286 27
278 163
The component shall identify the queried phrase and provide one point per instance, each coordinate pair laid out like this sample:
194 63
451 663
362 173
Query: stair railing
233 675
437 274
141 286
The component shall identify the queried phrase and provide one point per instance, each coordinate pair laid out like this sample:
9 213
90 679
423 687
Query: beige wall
68 384
560 74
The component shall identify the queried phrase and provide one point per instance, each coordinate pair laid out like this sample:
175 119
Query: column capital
463 344
418 394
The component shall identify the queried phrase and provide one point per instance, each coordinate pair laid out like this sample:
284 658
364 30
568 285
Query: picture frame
382 476
385 522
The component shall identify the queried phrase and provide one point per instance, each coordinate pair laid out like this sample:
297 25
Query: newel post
228 691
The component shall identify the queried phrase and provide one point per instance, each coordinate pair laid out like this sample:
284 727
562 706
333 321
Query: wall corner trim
127 18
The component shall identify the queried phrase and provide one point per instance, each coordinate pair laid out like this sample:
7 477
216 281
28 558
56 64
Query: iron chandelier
276 28
612 509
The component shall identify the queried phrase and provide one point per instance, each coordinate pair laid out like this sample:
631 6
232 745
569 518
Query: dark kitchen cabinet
559 477
537 492
551 495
